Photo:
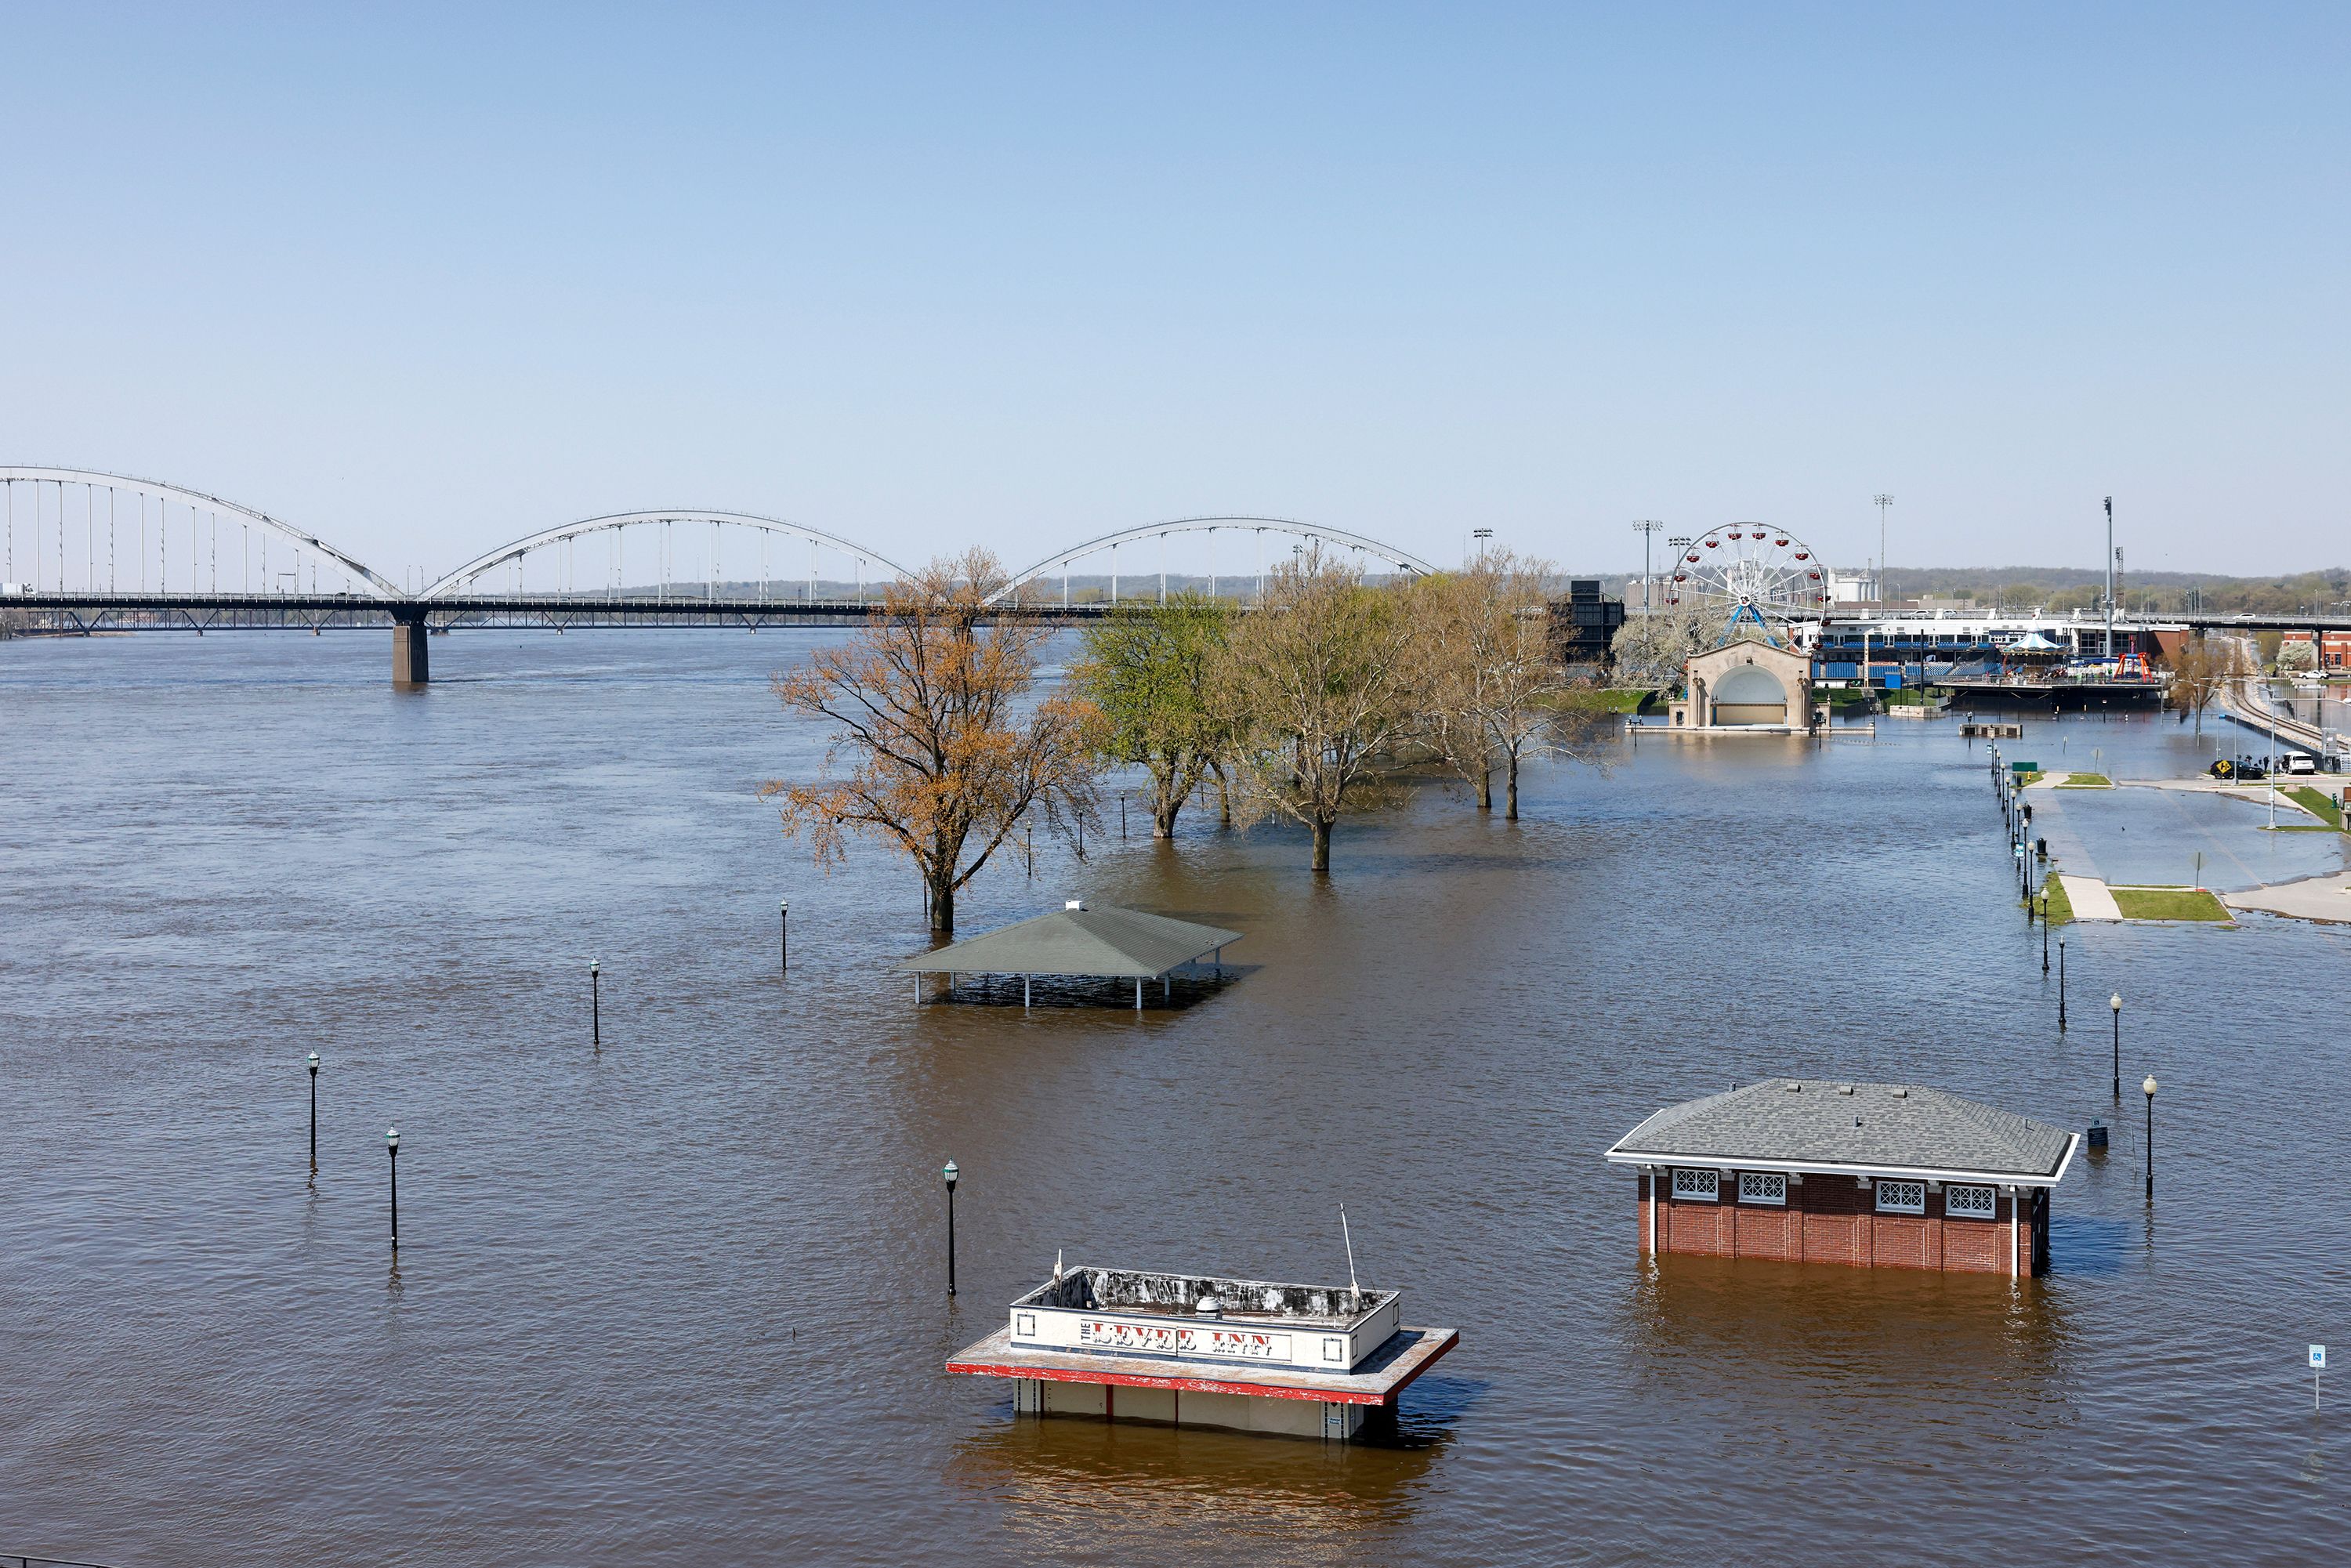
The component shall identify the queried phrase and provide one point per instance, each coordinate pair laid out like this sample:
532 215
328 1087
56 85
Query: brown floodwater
682 1301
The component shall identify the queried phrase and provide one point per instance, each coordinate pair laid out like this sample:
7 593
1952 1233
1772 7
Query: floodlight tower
2110 577
1647 528
1881 502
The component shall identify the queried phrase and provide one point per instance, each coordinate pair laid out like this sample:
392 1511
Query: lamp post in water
949 1174
595 1004
314 1113
392 1142
2114 1003
2061 985
2148 1088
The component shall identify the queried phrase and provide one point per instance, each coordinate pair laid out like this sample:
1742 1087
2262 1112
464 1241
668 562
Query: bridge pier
411 658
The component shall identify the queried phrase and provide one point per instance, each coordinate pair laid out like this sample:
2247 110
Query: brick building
2334 647
1876 1175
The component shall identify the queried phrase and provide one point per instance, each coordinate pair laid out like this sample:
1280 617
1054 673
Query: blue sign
2318 1356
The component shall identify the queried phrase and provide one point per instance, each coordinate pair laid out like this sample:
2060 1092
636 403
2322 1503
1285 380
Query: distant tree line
1324 699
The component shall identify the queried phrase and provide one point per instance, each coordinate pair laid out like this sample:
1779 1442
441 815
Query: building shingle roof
1129 944
1815 1122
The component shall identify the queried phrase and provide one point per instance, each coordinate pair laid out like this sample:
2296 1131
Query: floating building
1304 1361
1878 1174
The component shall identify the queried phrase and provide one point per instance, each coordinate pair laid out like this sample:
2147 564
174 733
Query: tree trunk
1224 800
942 891
1163 818
1322 846
1512 762
1485 787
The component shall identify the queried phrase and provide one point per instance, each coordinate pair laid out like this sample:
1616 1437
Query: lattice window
1901 1196
1700 1186
1764 1186
1971 1202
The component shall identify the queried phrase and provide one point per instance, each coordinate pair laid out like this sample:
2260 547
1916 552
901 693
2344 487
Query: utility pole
1647 528
1881 502
2110 577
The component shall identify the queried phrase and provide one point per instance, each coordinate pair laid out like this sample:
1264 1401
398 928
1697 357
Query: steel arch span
1363 543
613 522
198 501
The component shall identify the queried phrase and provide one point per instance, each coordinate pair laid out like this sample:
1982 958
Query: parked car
2298 762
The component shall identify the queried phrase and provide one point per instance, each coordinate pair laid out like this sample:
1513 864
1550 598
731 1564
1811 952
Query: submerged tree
1147 675
1492 686
946 752
1318 690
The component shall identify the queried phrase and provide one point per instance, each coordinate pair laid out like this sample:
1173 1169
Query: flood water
682 1301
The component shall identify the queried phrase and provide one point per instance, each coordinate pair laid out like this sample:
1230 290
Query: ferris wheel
1747 568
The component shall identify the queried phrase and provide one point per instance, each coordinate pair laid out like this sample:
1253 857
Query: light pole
2044 926
314 1113
2114 1003
783 933
1647 528
392 1142
595 1004
2148 1088
949 1174
2061 985
1481 536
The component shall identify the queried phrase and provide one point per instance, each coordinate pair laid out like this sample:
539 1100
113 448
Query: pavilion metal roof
1097 940
1827 1125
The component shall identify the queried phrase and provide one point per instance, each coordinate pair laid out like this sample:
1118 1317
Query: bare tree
946 752
1651 650
2200 670
1318 692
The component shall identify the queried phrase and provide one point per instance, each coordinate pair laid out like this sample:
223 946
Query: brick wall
1831 1219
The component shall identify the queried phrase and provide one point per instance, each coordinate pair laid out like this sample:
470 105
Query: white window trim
1988 1212
1763 1179
1884 1183
1711 1193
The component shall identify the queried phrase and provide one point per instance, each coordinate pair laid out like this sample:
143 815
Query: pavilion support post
1024 992
1138 996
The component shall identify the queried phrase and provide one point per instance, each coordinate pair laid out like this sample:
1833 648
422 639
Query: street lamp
2061 985
595 1004
392 1142
2149 1089
784 933
2115 1002
949 1174
314 1113
2044 926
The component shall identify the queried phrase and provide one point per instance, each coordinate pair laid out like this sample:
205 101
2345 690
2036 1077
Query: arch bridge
1365 548
84 551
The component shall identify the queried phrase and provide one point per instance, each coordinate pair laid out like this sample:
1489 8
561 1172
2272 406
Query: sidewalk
2090 898
2313 898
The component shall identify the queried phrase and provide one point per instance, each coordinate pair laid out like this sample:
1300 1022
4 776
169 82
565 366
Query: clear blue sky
425 279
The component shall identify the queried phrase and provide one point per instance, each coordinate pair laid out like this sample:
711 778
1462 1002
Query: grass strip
2317 803
2061 908
2169 903
2086 782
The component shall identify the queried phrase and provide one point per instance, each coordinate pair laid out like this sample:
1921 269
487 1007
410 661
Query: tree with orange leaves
946 753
